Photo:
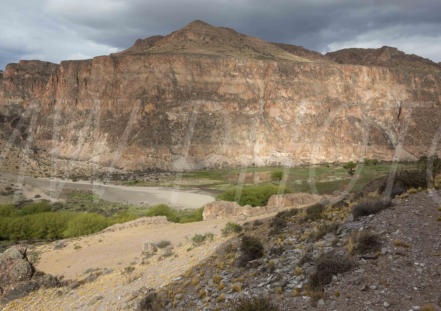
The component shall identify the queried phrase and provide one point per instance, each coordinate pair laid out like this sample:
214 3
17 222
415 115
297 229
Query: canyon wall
175 111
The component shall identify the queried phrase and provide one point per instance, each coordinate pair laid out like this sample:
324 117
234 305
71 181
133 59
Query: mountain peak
201 38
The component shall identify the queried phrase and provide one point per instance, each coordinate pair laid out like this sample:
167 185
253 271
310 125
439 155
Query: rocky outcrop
276 203
206 97
18 276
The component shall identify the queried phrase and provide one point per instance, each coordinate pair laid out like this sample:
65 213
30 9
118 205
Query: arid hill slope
208 96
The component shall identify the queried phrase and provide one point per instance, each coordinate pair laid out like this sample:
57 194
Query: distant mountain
386 56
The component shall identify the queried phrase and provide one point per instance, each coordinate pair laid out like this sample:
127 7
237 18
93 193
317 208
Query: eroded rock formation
208 96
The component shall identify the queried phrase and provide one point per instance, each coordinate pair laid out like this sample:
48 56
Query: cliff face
194 99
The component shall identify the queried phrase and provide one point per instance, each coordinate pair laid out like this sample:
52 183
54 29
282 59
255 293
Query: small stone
386 304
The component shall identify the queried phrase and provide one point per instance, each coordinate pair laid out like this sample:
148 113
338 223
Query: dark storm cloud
67 29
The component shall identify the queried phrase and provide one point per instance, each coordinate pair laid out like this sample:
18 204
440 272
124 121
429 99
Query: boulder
14 267
18 277
226 209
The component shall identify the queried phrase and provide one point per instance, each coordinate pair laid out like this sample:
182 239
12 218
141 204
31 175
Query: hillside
201 38
210 97
385 56
321 257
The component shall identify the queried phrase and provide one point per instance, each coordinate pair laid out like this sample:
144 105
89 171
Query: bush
163 244
322 230
35 208
199 239
173 215
350 167
252 195
277 175
363 242
254 304
315 211
279 221
8 210
370 206
83 224
231 227
327 266
251 248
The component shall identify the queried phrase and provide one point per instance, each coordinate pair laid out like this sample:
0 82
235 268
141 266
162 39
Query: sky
55 30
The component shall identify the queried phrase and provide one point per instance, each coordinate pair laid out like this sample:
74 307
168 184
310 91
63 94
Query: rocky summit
209 97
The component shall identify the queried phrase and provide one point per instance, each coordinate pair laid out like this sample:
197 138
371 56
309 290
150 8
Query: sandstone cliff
208 96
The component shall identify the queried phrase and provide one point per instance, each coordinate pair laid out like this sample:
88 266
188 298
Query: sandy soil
51 189
113 250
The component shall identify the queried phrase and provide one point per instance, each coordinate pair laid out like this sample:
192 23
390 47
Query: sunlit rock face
208 97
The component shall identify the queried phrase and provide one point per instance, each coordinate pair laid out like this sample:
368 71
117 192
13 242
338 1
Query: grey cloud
84 28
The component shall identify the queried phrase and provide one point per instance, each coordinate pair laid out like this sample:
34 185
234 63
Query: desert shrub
277 175
322 230
315 211
257 195
199 239
251 248
405 180
254 304
83 224
173 215
191 215
163 210
230 228
279 221
163 244
370 206
277 224
363 242
327 266
150 302
288 213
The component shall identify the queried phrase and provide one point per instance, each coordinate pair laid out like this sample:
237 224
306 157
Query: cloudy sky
55 30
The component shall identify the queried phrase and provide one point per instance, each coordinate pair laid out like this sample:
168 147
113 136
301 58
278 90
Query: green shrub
277 175
9 210
83 224
254 304
350 167
173 215
251 248
35 208
230 228
257 195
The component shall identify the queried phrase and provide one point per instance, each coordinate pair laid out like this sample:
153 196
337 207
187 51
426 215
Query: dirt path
51 188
